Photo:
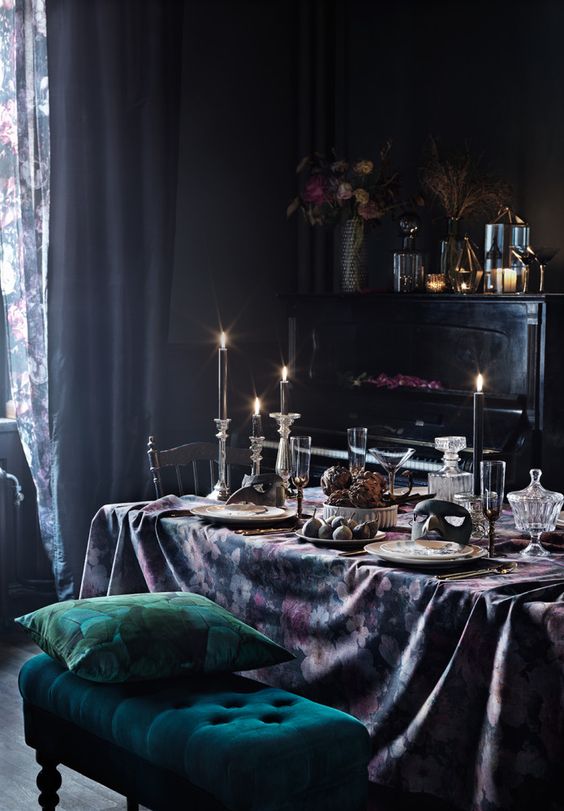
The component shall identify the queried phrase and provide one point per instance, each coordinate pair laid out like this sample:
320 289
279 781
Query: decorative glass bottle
409 272
450 480
450 251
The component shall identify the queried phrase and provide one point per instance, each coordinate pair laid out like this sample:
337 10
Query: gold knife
501 568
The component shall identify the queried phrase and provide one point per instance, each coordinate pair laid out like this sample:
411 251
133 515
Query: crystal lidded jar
450 480
535 511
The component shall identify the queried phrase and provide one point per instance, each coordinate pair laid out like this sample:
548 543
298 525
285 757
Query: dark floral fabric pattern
458 683
24 229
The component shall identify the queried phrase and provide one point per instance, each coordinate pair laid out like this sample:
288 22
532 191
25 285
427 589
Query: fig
351 523
325 532
311 527
342 533
338 521
363 532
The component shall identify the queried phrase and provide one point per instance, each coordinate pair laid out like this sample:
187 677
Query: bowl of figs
338 531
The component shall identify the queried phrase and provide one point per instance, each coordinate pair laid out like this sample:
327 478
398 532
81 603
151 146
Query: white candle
222 378
257 419
509 280
284 391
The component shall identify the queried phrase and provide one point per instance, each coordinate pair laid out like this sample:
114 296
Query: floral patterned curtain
24 239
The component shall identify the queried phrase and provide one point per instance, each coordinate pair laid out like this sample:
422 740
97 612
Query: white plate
428 549
242 514
389 557
333 543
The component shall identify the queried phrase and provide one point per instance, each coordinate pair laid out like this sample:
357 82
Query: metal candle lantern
506 249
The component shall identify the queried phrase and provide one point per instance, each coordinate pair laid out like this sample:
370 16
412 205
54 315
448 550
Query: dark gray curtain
114 74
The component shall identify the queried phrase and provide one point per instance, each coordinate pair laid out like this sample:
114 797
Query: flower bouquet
358 195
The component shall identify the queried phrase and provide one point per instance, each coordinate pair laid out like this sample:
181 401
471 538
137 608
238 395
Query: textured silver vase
353 265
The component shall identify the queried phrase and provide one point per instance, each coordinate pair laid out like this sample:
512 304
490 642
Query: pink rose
344 191
315 190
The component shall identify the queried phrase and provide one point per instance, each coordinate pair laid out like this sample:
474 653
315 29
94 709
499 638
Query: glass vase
353 264
451 246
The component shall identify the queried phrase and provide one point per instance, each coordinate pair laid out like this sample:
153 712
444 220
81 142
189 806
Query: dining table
460 683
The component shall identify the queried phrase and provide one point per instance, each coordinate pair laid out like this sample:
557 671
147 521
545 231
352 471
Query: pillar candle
257 419
478 432
284 391
222 378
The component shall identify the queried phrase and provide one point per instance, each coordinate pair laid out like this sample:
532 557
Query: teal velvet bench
204 743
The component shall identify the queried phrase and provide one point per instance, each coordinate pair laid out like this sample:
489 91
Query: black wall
264 83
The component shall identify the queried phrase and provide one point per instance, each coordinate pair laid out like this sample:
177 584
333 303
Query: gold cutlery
351 552
270 531
502 568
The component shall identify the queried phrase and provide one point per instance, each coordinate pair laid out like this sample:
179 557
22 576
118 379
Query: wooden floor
17 761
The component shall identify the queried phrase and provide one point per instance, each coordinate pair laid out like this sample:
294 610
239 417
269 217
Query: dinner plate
333 543
242 514
432 562
426 549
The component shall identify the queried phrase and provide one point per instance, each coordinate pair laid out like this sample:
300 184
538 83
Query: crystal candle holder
221 491
257 443
283 458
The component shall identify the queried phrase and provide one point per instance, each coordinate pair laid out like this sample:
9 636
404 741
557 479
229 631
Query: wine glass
391 459
492 475
356 438
535 511
300 456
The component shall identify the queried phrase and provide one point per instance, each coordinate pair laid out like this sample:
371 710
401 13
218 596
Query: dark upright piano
516 342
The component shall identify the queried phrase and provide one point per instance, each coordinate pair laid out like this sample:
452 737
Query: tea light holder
283 465
221 490
435 283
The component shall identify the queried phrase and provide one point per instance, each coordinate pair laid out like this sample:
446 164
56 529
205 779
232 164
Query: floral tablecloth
460 684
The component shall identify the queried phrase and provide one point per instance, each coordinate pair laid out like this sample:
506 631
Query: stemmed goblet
543 255
492 476
300 456
391 459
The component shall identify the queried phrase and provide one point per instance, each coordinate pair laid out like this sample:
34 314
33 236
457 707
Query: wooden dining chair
187 462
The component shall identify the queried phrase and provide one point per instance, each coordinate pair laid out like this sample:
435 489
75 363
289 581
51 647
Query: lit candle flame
222 340
479 383
257 406
284 374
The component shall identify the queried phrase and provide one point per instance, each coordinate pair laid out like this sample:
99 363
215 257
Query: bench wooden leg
132 805
48 782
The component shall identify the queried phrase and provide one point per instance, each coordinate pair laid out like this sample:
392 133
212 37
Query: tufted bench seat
205 742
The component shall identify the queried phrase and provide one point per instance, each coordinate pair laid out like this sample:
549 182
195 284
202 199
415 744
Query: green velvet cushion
136 637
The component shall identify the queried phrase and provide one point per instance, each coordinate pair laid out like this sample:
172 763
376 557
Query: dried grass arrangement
456 183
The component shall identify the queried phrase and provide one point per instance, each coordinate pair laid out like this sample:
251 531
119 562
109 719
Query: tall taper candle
222 378
478 432
257 419
284 391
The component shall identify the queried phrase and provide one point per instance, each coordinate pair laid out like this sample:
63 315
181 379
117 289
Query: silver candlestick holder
283 460
257 443
221 491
